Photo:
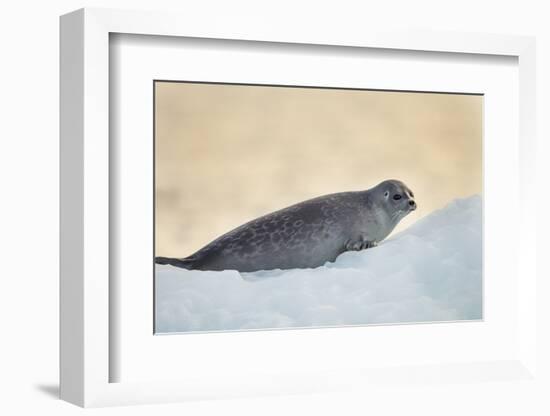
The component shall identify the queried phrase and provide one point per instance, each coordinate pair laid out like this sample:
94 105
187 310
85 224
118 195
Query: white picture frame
86 333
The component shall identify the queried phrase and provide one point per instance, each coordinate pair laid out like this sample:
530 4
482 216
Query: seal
307 234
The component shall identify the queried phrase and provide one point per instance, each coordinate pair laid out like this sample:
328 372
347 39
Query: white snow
432 271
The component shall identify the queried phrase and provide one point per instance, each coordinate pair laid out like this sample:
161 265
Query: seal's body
307 234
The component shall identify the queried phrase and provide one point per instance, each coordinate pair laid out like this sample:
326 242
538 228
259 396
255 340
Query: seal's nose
412 204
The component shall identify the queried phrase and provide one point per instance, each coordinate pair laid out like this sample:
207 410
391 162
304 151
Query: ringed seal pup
307 234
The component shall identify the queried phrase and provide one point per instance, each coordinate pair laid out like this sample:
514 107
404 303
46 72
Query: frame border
84 180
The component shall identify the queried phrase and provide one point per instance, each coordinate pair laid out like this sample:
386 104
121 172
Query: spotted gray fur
307 234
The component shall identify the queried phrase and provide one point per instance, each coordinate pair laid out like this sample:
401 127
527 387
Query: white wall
29 177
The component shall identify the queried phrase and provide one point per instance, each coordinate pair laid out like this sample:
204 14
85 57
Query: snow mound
430 272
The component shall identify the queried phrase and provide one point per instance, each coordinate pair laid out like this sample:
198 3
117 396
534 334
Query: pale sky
226 154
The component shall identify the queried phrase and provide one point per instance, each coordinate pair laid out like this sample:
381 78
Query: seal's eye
397 197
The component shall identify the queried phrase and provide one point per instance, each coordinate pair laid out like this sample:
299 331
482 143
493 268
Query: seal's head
396 197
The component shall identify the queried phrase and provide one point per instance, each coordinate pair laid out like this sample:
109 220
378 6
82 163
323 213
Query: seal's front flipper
361 244
369 244
352 245
355 245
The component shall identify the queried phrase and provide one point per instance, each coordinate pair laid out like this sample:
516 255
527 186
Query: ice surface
432 271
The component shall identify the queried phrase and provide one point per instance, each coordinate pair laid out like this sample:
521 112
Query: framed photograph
331 257
259 213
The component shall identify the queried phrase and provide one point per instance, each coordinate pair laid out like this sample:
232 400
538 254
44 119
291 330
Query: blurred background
226 154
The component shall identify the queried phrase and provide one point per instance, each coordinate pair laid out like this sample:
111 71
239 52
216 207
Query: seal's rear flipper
183 263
